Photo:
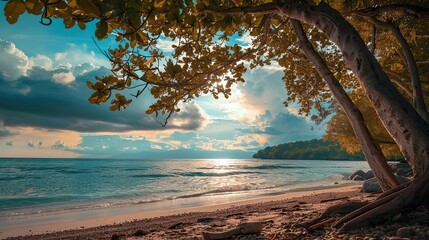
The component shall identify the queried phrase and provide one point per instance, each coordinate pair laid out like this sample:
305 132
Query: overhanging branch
266 8
414 10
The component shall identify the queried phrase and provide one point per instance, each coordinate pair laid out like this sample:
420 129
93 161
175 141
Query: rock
115 237
140 233
372 186
405 232
357 173
358 178
204 219
176 226
369 174
401 169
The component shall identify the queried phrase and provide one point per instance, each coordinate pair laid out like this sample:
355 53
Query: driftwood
241 229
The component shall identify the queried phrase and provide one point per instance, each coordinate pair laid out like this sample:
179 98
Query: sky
44 108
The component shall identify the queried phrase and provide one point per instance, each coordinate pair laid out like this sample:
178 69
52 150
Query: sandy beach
280 217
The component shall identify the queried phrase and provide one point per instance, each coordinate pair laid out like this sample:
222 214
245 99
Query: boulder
369 174
372 186
401 169
357 173
358 178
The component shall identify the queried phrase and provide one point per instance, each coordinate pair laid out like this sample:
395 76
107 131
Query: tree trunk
370 148
418 98
409 130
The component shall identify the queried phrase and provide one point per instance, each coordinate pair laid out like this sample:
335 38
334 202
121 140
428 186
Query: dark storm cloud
36 101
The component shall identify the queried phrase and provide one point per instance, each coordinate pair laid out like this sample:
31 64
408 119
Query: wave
267 167
151 175
227 189
136 169
214 174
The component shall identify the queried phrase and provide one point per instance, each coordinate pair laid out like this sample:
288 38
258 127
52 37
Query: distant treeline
315 149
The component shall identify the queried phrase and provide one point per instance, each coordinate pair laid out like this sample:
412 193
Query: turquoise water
38 186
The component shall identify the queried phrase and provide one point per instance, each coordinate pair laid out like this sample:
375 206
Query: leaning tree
207 61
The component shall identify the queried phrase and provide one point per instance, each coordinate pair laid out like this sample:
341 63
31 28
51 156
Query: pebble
405 232
115 237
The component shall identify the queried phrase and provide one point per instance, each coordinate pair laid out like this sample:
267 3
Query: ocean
42 187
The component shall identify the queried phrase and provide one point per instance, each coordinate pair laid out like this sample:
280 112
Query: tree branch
371 149
418 99
414 10
266 8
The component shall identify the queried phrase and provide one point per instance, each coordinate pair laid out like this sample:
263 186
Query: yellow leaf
150 61
13 9
90 85
72 3
158 3
89 8
114 107
81 25
397 67
133 43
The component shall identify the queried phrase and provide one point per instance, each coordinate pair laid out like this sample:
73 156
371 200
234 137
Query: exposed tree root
321 224
393 190
365 209
341 208
388 204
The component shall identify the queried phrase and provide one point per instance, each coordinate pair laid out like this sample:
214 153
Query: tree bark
370 148
418 99
409 130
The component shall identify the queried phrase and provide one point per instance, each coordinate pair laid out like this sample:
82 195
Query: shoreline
114 216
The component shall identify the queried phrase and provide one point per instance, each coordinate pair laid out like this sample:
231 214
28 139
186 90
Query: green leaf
101 31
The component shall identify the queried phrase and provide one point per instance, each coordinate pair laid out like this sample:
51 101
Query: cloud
155 146
166 45
191 117
76 55
41 61
58 99
14 63
246 41
63 78
84 68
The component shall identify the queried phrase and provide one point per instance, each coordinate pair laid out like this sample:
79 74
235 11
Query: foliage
339 130
207 61
315 149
